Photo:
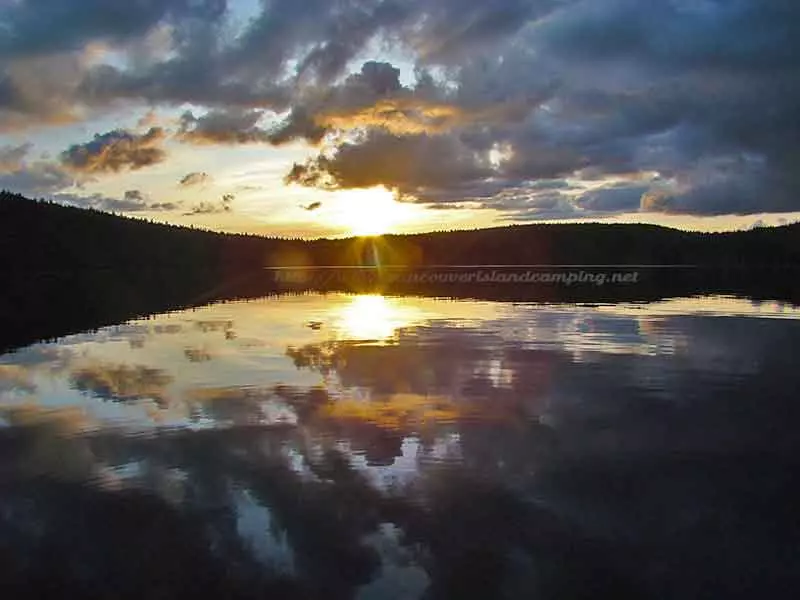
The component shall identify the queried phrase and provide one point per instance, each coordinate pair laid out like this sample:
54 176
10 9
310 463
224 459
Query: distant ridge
66 270
39 236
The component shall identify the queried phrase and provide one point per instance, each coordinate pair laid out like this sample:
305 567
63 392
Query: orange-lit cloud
116 151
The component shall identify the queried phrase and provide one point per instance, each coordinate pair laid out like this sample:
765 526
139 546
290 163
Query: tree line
66 269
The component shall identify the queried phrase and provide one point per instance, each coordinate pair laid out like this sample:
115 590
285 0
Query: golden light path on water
165 368
374 317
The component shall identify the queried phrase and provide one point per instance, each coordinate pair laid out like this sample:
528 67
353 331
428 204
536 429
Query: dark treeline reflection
66 269
38 307
557 453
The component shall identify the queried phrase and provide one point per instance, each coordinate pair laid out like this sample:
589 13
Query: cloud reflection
483 450
123 383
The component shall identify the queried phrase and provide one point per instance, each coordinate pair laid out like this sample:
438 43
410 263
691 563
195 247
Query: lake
374 447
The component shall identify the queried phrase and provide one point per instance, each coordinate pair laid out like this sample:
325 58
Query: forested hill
42 237
571 244
65 270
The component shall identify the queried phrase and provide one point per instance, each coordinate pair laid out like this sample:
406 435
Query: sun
371 212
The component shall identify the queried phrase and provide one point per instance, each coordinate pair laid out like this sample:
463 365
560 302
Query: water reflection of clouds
298 443
15 379
501 357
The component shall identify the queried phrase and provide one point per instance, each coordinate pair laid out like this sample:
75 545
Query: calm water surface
373 447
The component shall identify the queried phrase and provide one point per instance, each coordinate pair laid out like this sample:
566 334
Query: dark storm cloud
715 83
298 125
618 198
407 164
656 87
236 126
309 43
452 28
50 50
550 184
287 44
506 93
711 31
116 151
375 98
725 185
44 26
223 127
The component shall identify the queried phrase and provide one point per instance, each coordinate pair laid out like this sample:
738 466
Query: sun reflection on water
374 318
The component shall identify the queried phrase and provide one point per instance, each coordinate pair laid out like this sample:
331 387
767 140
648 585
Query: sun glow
372 212
375 318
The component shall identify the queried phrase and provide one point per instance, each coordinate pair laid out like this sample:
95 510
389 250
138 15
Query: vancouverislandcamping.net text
477 276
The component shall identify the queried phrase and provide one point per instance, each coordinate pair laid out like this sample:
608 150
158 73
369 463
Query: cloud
724 185
135 196
35 179
38 91
669 89
518 90
139 201
411 165
149 119
260 64
49 180
617 198
195 179
52 181
210 63
12 158
300 124
133 201
535 206
224 205
233 126
116 151
123 383
375 98
16 378
38 28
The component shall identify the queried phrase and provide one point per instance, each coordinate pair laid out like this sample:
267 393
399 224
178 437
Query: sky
336 117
